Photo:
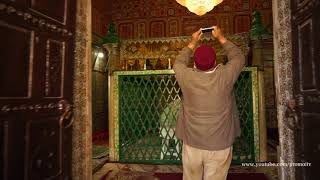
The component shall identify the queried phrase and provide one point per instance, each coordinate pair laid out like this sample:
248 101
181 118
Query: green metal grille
148 106
243 148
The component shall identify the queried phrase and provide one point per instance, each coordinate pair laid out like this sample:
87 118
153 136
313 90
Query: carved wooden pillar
257 48
82 127
262 57
260 40
262 117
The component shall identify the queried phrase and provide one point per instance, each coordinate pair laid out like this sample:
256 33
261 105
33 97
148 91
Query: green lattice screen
148 106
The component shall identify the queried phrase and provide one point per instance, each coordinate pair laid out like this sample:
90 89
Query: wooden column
259 51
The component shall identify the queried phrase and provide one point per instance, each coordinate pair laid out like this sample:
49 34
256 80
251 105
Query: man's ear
191 63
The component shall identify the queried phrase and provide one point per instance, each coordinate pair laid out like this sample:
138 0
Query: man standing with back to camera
208 120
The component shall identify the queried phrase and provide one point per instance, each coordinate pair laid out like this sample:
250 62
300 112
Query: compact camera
208 29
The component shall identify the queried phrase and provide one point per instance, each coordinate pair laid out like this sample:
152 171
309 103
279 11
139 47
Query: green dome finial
111 36
257 28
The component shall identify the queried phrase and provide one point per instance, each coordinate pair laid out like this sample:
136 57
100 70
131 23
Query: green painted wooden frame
114 108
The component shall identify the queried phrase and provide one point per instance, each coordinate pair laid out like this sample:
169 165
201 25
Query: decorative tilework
141 30
173 27
126 30
158 28
125 11
225 24
242 23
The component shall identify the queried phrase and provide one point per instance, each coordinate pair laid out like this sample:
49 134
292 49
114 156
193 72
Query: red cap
205 57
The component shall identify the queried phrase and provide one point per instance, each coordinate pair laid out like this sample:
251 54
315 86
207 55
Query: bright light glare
100 55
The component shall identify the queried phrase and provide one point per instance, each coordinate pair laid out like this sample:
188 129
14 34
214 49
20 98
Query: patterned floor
118 171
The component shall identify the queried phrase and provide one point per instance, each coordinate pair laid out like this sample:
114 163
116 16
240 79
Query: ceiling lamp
199 7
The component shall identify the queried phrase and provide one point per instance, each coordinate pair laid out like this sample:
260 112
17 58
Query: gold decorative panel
157 51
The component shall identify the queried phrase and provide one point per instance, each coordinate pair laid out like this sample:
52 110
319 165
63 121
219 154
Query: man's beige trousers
205 165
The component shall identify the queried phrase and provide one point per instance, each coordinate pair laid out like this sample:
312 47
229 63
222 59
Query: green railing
146 106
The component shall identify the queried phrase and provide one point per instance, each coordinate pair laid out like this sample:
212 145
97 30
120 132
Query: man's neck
207 71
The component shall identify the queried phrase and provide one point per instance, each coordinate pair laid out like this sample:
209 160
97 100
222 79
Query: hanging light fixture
199 7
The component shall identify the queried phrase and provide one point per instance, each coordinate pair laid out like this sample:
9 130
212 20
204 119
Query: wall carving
61 105
36 21
55 57
158 29
141 29
45 155
312 99
59 14
283 78
22 63
173 27
82 126
234 16
242 23
160 53
100 16
127 30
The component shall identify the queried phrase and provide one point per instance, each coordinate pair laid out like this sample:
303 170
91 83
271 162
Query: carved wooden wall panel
306 48
44 151
306 86
306 59
242 23
225 22
126 30
2 149
36 80
55 57
15 68
225 14
13 151
192 24
158 28
173 27
141 29
58 13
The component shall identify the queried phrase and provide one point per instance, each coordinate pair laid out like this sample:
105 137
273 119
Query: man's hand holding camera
215 31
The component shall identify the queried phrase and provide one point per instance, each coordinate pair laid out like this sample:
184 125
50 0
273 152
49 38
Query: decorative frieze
61 105
35 20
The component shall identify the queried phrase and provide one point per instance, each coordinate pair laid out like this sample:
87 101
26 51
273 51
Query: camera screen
205 30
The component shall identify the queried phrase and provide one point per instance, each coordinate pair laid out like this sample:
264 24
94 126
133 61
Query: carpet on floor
100 155
178 176
231 176
99 151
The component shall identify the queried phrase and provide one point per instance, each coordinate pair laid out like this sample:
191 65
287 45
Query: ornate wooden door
306 73
36 77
